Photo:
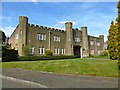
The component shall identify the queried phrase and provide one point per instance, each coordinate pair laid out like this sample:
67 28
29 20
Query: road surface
52 80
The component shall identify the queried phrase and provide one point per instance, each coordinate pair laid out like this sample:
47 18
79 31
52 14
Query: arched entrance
77 51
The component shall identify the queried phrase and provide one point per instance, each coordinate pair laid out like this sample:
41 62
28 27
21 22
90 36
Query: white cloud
34 1
63 22
57 27
60 0
7 30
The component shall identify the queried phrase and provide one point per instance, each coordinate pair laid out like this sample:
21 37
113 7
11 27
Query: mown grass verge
107 68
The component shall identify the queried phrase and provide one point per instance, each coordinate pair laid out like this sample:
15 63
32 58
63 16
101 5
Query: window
41 36
38 36
98 52
32 50
56 38
44 37
77 39
59 39
16 36
62 51
56 50
91 42
98 43
41 50
92 52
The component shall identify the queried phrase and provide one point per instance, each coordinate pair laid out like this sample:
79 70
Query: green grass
77 66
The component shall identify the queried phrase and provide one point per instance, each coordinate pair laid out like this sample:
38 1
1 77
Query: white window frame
77 39
41 50
56 51
41 36
99 52
32 50
44 37
56 38
62 51
98 43
38 36
91 43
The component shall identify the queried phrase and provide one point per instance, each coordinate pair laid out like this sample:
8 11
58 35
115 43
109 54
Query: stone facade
61 42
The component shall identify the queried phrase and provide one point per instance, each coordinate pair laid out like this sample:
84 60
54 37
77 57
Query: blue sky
97 16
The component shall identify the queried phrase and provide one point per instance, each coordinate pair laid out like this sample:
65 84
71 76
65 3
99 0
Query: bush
26 50
91 56
9 54
34 58
104 53
48 53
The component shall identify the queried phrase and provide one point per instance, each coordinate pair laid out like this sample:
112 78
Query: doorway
77 51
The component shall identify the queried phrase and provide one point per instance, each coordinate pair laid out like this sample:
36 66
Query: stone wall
27 34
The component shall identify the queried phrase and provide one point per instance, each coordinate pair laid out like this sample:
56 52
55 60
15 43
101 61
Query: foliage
104 53
118 22
114 37
91 56
34 58
112 41
77 66
48 53
9 54
26 50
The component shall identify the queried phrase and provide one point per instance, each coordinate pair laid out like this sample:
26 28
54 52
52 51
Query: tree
112 41
9 54
118 22
114 37
26 50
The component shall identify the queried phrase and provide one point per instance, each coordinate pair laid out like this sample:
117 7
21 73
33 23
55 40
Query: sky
97 16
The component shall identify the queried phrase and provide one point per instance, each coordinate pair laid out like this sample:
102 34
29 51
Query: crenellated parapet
45 28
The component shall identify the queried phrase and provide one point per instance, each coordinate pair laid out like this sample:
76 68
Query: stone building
61 42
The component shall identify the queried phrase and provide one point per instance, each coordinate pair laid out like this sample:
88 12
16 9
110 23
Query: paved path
8 83
51 80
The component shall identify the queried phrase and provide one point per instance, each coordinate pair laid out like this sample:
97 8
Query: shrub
92 56
48 53
9 54
34 58
26 50
104 53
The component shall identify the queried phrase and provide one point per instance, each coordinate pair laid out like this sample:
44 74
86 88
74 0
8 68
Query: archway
77 51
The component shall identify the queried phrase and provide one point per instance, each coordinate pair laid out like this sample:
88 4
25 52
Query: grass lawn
77 66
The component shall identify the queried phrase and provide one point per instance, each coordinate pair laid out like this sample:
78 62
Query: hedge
34 58
9 54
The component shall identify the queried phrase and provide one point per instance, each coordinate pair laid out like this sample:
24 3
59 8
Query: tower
85 45
69 38
23 22
102 41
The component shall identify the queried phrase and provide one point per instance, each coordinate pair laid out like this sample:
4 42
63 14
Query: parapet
101 36
68 23
83 27
76 29
45 28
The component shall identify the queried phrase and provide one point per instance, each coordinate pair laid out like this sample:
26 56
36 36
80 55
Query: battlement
68 23
76 29
45 28
84 26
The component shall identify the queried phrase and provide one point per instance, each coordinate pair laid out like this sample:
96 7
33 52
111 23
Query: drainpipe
49 40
